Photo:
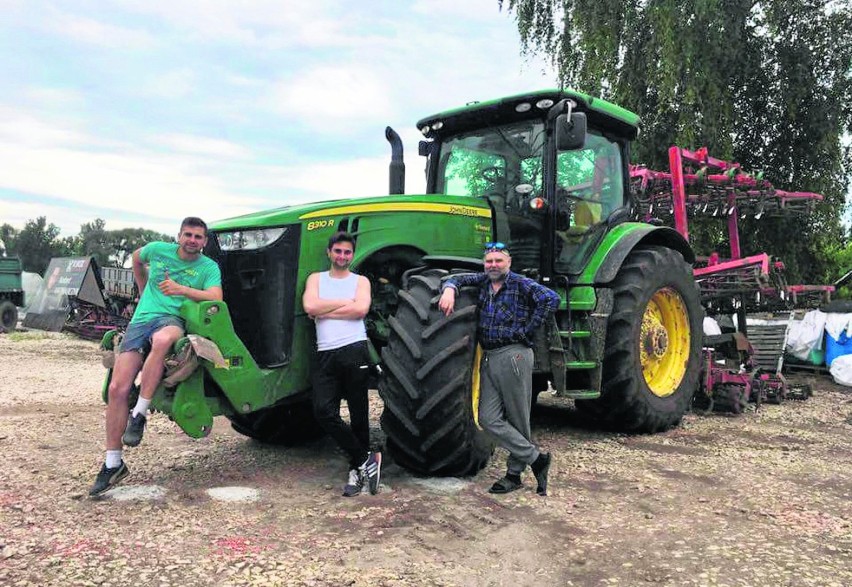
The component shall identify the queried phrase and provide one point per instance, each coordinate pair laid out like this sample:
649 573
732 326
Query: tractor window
471 173
589 187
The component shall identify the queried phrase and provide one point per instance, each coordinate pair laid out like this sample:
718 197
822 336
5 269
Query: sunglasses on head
494 247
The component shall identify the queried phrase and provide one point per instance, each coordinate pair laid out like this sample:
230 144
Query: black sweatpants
338 374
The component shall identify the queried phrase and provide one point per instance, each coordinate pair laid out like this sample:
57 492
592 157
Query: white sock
141 406
113 458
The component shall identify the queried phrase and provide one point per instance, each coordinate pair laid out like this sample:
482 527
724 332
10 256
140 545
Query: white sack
841 370
837 324
711 327
805 335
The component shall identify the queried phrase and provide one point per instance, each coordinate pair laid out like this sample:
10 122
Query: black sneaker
354 484
371 470
135 429
108 477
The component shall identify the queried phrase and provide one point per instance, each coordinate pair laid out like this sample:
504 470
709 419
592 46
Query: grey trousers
504 403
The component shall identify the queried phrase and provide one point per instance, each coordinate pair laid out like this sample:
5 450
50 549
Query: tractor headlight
248 240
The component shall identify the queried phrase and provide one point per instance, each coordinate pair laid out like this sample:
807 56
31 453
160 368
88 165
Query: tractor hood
398 203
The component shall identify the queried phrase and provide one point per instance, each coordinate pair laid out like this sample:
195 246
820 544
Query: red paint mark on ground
80 547
237 545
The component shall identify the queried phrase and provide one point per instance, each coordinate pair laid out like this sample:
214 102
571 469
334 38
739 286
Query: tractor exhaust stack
397 166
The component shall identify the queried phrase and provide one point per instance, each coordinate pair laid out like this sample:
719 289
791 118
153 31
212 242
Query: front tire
287 424
427 382
652 357
8 316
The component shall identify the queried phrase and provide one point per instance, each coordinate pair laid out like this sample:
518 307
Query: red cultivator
698 185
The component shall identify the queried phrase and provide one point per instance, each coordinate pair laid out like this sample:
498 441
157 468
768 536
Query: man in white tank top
337 300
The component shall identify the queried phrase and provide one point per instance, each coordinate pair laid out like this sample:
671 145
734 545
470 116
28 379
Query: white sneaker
354 484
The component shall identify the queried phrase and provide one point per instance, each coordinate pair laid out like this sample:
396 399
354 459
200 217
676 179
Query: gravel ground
759 499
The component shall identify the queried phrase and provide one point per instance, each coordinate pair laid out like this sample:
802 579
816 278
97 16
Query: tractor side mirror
570 133
423 148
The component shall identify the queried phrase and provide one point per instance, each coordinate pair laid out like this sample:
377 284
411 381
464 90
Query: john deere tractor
544 172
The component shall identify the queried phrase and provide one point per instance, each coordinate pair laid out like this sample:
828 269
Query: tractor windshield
503 162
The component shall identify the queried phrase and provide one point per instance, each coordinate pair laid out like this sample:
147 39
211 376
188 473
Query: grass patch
34 335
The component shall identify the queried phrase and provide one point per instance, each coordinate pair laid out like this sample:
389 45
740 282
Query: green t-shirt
201 273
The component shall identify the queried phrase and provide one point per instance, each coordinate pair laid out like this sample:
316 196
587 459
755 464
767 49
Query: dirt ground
759 499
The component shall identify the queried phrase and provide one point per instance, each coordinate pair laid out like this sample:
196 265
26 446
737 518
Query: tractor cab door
589 189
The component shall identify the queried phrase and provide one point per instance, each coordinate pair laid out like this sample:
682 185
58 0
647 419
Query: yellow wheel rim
664 342
475 383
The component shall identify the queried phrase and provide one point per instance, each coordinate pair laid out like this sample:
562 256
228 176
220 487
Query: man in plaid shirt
511 308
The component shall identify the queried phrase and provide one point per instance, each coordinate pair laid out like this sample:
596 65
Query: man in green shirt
167 275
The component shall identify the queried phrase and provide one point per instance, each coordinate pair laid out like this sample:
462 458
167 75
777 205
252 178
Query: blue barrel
835 348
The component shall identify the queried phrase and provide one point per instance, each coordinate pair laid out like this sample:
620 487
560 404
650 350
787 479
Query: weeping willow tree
765 83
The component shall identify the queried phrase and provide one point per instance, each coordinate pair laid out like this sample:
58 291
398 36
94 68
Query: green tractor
11 292
544 172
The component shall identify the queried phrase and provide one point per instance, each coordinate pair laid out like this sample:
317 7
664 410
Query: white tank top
333 333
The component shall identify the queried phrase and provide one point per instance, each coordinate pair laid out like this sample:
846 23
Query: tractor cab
552 166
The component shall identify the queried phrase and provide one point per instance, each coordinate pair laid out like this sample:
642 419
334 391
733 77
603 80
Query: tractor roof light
544 104
523 107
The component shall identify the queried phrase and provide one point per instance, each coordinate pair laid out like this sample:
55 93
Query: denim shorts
138 336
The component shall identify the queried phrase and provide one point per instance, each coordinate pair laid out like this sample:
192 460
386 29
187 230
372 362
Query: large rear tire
652 357
427 382
8 316
289 424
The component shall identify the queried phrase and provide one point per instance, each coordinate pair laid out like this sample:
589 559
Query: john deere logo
464 211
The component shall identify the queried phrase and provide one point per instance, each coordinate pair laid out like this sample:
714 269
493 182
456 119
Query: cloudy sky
141 112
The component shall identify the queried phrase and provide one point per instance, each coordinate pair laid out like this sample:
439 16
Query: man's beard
497 274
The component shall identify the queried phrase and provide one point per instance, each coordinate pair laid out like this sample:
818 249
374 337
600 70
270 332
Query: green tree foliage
93 241
765 83
8 236
37 243
123 242
113 247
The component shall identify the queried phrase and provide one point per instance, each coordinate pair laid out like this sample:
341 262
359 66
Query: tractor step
580 365
580 394
575 333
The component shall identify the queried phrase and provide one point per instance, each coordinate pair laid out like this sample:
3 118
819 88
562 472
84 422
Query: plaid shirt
513 313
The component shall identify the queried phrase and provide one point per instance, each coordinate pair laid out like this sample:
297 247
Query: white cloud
196 145
18 127
141 183
95 32
355 178
454 10
269 23
334 98
177 83
54 98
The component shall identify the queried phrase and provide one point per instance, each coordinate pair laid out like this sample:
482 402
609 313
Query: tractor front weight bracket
189 407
